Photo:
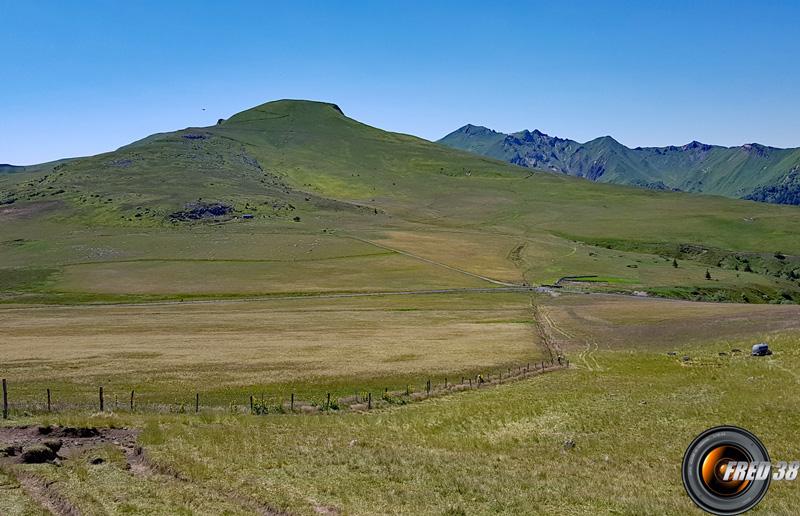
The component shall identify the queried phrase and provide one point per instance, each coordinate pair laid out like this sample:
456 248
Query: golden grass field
623 323
229 350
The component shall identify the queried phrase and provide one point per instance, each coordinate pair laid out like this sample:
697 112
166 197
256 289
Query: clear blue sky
85 77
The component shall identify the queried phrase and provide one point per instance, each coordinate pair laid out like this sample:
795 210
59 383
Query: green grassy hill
296 189
752 171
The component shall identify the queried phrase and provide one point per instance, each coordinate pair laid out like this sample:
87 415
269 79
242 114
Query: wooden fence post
132 395
470 383
291 404
251 403
428 387
102 404
369 401
5 399
197 403
48 400
408 390
328 403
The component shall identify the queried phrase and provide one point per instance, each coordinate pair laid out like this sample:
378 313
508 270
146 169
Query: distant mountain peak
694 167
535 136
476 129
695 145
536 132
758 146
607 140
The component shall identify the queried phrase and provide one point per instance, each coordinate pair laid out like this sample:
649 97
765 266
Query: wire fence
293 402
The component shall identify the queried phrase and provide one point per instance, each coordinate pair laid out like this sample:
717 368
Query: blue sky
86 77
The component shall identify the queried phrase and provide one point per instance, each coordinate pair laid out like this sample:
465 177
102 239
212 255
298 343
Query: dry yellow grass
386 272
171 350
480 253
625 322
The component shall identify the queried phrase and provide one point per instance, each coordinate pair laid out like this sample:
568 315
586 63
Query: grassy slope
307 160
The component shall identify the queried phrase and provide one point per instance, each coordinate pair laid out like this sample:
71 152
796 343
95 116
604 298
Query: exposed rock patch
202 211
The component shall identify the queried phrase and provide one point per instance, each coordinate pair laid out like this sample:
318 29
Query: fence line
358 401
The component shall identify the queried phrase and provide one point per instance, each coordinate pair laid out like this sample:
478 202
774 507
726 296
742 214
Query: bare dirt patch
26 211
30 444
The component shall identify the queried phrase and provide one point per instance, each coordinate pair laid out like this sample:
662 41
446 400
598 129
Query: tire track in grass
544 328
42 492
594 356
587 355
555 326
583 353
